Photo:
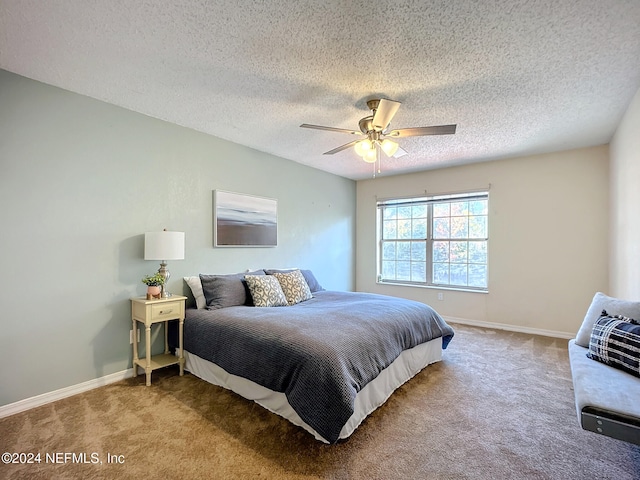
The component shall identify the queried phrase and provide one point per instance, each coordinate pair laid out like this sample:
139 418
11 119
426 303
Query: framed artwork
241 220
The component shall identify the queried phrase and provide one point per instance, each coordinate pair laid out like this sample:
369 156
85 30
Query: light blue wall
80 183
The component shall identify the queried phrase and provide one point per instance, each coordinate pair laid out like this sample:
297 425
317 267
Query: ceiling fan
376 136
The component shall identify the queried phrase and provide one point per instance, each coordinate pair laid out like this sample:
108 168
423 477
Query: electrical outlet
440 296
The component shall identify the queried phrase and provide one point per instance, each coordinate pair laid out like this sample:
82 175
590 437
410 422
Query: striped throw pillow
615 341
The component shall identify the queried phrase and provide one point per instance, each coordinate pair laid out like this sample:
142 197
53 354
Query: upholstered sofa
607 398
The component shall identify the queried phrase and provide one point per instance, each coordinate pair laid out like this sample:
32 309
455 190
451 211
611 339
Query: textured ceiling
518 77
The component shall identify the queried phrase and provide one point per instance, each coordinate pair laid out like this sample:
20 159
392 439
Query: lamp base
167 275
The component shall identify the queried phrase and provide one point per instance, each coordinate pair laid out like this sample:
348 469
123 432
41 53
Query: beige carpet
499 406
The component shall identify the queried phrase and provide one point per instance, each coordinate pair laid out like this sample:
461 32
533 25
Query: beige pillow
266 291
294 286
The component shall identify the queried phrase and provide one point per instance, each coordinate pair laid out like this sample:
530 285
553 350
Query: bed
324 362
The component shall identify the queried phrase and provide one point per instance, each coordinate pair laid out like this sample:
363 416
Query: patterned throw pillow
294 286
266 291
615 341
308 275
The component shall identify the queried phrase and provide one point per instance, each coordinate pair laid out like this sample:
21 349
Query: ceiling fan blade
419 131
341 148
401 152
384 113
331 129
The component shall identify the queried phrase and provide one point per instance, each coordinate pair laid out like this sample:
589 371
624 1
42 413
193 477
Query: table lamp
164 246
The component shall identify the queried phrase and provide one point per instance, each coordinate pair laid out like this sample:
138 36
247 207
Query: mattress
409 363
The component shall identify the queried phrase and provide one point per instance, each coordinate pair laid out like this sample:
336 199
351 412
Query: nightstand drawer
168 310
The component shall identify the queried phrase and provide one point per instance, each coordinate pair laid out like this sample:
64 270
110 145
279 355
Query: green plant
154 280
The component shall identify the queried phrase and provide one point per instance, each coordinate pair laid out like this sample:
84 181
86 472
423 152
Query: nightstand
149 312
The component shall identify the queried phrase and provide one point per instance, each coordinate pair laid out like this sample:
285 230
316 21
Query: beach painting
241 220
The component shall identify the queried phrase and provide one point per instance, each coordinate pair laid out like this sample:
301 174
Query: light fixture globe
370 156
363 146
389 147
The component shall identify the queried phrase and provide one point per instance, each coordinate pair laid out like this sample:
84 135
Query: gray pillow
614 306
314 286
222 291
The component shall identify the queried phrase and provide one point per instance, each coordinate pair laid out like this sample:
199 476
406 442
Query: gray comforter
320 352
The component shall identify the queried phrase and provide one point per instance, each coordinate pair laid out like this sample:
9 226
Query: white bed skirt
374 394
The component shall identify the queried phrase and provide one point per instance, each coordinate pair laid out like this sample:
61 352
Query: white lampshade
164 245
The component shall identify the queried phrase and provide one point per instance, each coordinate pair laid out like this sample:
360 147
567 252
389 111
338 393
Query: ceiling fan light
389 147
370 156
363 147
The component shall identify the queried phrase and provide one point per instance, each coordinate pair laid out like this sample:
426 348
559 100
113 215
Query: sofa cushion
599 386
614 306
615 341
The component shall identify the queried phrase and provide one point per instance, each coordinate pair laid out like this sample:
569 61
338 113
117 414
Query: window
437 241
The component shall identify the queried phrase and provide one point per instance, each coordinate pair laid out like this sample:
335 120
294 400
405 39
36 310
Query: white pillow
265 291
613 306
196 288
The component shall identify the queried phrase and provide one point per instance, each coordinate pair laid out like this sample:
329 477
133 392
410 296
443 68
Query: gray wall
80 183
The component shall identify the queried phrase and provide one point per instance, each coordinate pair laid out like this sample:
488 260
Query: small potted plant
154 283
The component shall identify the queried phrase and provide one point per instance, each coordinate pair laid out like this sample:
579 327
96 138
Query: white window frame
429 201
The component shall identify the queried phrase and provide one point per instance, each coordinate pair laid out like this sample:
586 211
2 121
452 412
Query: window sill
434 287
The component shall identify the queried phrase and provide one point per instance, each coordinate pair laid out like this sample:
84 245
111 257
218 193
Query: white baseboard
38 400
510 328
